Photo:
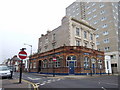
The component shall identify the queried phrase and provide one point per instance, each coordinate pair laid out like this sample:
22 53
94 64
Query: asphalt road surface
101 82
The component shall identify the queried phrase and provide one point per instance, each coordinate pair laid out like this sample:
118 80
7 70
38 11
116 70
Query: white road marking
42 84
103 88
49 80
108 83
58 79
34 78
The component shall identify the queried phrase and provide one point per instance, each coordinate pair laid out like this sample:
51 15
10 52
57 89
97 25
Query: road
102 82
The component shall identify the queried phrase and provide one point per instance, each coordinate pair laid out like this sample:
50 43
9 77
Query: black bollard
11 74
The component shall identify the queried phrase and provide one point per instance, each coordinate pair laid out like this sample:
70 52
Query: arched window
86 62
50 63
99 64
93 60
71 58
57 63
45 63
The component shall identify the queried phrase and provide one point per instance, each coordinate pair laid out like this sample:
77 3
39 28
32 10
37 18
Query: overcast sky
23 21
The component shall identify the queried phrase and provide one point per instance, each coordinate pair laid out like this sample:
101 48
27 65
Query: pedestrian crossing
39 80
49 81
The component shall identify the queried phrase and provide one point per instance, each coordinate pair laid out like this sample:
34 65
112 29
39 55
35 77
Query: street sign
22 54
54 59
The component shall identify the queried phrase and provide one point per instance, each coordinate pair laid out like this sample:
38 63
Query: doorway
39 66
71 67
71 63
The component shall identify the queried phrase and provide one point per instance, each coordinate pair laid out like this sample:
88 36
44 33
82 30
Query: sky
23 21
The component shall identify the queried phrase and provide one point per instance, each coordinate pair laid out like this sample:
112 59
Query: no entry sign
54 59
22 54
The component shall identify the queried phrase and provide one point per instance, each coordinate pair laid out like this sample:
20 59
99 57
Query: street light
53 44
30 53
30 46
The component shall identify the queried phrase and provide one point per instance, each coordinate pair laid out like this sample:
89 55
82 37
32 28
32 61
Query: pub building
69 49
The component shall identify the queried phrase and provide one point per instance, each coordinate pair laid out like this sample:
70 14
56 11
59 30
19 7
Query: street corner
14 83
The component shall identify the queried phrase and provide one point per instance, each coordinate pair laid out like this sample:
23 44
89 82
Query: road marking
109 83
30 83
33 78
44 81
49 80
58 79
103 88
42 84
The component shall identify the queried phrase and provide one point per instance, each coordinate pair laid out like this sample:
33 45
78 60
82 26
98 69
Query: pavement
14 84
71 76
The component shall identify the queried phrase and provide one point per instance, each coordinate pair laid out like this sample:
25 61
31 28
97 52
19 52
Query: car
5 72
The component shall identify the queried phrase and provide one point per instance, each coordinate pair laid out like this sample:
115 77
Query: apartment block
104 17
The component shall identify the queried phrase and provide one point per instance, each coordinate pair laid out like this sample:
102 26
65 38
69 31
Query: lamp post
30 46
53 44
30 54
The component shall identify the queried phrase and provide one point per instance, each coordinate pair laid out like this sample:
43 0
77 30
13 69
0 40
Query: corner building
73 44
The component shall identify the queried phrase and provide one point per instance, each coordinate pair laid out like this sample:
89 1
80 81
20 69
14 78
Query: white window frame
94 16
106 40
106 48
77 42
77 31
85 34
97 35
104 26
103 18
91 36
105 33
102 12
94 10
102 5
97 43
34 65
89 12
86 63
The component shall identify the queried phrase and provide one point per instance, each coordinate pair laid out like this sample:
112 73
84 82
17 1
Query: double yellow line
35 86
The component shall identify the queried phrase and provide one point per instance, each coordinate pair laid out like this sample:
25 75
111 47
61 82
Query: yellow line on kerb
34 85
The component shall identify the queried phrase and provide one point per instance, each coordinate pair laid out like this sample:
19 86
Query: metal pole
91 67
20 72
30 54
53 61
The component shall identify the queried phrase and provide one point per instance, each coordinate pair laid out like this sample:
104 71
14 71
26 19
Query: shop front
75 60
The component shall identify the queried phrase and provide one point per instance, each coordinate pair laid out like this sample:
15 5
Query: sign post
54 59
22 55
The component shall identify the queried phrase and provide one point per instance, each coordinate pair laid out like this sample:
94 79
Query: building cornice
81 22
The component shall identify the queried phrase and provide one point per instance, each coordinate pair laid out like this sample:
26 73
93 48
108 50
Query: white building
72 32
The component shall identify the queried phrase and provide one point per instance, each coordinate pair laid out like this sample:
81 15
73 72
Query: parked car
5 72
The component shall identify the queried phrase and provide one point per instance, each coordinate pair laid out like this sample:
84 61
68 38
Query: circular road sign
22 54
54 59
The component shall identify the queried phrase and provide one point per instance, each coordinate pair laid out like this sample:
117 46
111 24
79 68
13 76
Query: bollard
11 74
